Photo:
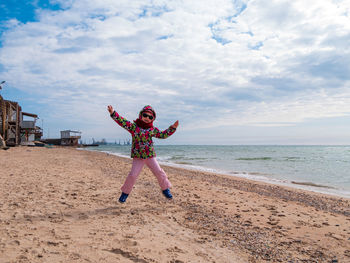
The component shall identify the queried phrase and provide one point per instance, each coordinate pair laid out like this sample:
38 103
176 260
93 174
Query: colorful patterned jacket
142 144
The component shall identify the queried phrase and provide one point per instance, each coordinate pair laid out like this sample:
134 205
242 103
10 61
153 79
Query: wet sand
60 205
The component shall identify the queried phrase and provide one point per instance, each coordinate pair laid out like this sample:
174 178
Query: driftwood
3 144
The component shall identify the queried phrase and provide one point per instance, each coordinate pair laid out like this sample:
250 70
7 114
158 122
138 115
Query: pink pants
137 165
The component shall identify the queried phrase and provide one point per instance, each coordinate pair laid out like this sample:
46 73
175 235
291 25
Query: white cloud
233 62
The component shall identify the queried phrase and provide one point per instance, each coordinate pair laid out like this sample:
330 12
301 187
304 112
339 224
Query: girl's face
147 117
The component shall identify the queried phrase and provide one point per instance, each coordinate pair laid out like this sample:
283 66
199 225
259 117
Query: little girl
142 151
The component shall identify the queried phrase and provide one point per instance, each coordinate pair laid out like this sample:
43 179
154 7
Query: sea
324 169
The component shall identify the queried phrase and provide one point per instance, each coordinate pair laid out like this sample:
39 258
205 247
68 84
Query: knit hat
149 109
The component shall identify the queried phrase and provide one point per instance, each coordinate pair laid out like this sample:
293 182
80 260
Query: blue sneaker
123 197
167 193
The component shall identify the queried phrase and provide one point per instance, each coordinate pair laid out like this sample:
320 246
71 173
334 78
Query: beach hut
29 131
14 130
70 138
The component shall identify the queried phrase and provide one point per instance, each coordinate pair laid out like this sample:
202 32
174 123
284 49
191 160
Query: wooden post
4 130
2 116
18 130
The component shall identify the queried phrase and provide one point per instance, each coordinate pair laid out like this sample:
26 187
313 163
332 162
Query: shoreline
304 186
60 205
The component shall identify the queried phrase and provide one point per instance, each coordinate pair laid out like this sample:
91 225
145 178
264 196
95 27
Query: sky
231 71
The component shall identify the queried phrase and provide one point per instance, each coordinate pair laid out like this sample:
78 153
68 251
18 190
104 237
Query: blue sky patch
249 33
164 37
2 69
24 11
68 50
240 7
98 17
221 40
153 11
216 34
257 46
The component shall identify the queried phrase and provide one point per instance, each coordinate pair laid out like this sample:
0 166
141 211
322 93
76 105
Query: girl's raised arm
175 125
110 109
129 126
166 133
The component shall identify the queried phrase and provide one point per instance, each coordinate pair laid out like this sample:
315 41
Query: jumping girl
142 151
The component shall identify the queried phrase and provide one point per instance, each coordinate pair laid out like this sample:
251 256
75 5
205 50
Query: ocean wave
292 159
254 159
190 158
176 157
181 162
312 184
287 159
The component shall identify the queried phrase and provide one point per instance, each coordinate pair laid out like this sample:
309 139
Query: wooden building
29 131
70 138
13 129
9 122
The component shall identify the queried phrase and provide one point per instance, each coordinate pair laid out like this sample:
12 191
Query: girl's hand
175 125
110 109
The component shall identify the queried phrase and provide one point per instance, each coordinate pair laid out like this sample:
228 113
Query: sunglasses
147 116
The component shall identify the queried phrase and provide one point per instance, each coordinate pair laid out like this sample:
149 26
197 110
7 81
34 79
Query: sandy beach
60 205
